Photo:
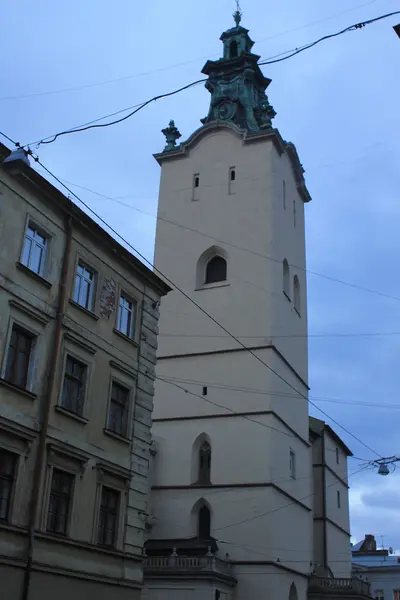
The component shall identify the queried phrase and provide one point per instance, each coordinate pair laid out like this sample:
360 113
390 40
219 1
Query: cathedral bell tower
234 451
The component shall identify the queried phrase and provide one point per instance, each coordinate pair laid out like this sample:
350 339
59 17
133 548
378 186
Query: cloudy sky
68 62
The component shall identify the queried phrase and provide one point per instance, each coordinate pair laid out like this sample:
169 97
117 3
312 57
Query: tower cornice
184 149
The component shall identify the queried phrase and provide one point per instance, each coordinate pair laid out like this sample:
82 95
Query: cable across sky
290 54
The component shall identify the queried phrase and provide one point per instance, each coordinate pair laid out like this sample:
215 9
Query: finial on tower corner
237 15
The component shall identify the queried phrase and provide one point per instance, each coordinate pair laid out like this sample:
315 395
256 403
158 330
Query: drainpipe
326 566
45 412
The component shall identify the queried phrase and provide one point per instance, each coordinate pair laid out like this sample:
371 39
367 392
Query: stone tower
232 467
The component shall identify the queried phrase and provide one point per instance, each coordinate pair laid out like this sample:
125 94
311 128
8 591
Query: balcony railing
188 563
339 585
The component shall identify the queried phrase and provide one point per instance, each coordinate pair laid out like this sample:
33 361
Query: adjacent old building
78 330
377 566
249 498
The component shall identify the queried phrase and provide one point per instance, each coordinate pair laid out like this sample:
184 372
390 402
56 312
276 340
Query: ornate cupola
236 83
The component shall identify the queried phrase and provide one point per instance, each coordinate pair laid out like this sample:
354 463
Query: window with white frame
118 409
84 286
126 316
34 250
292 464
396 594
74 385
108 516
8 468
19 356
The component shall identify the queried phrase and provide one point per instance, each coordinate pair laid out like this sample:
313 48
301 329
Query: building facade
377 566
78 331
332 556
234 508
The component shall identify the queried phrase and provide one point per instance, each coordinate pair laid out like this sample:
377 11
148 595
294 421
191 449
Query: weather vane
238 14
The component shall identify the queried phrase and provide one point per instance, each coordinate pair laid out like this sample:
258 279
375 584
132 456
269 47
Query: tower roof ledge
247 137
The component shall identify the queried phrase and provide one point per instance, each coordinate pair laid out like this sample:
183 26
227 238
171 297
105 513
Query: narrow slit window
232 180
204 390
284 194
196 186
296 294
286 278
292 464
338 498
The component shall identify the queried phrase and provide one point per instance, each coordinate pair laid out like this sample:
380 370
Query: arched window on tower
233 49
296 294
204 474
215 270
286 278
293 592
204 524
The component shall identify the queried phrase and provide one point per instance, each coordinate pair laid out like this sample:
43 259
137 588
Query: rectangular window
294 213
34 250
19 356
379 595
338 498
8 463
84 286
74 384
60 502
126 316
396 594
337 456
196 187
118 412
108 517
292 464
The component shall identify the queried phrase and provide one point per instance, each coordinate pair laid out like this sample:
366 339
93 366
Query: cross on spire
238 14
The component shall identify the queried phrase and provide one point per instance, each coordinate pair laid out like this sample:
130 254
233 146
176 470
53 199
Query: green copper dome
237 85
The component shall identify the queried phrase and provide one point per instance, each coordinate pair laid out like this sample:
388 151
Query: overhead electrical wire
207 314
269 512
237 246
173 66
189 392
251 352
294 52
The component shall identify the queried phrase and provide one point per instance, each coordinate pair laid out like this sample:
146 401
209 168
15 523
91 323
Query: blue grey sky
337 102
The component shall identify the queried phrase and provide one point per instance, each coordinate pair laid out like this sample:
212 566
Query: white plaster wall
339 552
261 581
249 523
253 218
253 522
237 381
